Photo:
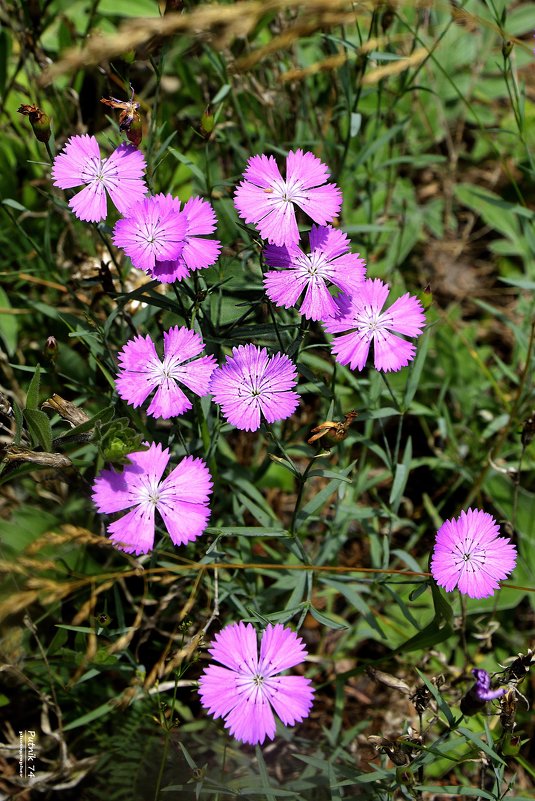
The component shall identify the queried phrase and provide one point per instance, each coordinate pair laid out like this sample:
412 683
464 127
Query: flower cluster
328 283
159 236
355 310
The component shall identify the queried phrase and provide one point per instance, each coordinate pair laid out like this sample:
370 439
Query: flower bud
39 121
51 349
207 122
134 132
507 47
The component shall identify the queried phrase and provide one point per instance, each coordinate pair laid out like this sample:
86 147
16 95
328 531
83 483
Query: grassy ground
424 115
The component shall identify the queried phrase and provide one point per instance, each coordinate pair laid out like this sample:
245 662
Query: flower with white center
266 199
120 175
470 555
244 689
181 499
329 262
363 323
251 385
153 231
142 371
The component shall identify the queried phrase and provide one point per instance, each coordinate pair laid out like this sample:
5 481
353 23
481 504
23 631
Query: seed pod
39 121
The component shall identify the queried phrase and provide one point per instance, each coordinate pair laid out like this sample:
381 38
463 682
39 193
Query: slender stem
302 481
162 765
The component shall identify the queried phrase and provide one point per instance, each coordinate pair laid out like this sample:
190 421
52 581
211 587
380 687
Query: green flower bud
39 121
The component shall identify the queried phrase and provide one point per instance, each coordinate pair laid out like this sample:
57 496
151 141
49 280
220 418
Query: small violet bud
478 695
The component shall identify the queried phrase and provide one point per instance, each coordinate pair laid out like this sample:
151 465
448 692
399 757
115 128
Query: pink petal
280 649
201 217
407 316
392 352
124 170
318 303
306 168
111 492
169 271
184 521
150 463
134 532
252 721
182 342
321 204
283 288
68 167
198 254
351 349
262 171
90 204
168 401
291 696
235 646
190 480
135 388
196 375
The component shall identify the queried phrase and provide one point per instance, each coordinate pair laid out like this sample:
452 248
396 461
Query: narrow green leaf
327 621
481 744
9 326
39 428
32 397
188 163
89 717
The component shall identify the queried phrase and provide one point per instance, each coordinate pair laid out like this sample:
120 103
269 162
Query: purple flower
329 260
120 175
482 689
267 200
142 371
362 322
247 689
198 252
470 555
151 232
478 695
251 384
181 499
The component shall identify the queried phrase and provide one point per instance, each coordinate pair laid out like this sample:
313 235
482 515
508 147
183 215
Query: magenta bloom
142 371
329 261
247 689
470 555
362 323
181 499
151 232
120 175
198 252
251 384
266 199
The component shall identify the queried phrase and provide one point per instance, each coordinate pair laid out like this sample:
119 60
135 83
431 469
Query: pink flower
364 323
247 689
198 252
329 260
120 175
470 555
251 384
181 499
151 232
142 371
266 199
